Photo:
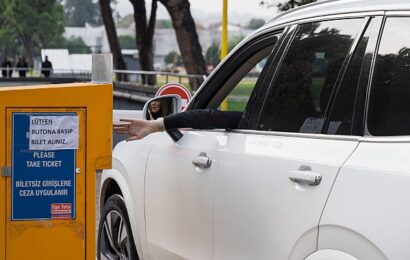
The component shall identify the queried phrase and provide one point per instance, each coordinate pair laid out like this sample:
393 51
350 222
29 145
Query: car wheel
115 239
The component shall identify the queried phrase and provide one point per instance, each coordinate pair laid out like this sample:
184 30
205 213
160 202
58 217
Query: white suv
319 169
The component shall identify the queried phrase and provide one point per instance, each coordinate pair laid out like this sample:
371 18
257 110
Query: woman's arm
203 119
197 119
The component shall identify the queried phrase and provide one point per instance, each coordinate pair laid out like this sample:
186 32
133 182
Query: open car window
239 84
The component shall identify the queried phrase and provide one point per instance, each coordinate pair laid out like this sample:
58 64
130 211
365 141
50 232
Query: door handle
202 160
306 175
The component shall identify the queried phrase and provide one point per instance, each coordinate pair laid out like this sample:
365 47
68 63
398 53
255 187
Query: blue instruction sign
43 181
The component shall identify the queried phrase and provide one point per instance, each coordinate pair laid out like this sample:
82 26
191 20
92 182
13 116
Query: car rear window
389 104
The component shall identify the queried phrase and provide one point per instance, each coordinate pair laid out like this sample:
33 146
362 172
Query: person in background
22 67
46 67
7 68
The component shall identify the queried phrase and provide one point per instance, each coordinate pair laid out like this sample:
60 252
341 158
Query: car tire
115 240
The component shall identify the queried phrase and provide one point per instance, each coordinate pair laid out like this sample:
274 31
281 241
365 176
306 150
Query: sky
208 11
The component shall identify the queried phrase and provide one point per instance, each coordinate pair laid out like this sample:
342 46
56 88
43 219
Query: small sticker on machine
61 210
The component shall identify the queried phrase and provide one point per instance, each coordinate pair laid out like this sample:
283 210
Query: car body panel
129 159
366 204
327 254
179 197
259 212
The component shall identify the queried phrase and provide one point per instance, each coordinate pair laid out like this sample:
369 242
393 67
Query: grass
237 99
239 96
236 105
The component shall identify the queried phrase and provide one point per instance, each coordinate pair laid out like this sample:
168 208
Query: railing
160 77
140 77
14 72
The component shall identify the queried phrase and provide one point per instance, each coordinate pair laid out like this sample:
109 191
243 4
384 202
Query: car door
179 186
272 182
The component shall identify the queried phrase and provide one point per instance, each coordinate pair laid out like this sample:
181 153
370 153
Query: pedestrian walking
46 67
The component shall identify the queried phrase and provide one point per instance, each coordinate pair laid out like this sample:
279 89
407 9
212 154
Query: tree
74 45
163 24
187 38
108 20
255 23
31 23
173 58
2 13
79 12
144 30
127 42
213 55
234 41
7 36
125 21
288 4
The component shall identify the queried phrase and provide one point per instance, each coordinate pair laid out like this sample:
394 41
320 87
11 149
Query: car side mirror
164 106
161 106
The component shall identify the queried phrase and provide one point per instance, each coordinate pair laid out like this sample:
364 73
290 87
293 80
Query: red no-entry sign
176 89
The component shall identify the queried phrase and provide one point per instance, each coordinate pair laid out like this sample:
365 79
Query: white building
164 39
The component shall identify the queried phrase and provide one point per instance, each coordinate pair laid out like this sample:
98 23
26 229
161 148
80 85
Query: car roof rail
301 8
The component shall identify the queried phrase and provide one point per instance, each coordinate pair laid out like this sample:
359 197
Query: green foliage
173 58
213 55
79 12
74 45
125 21
8 46
31 23
127 42
292 4
163 24
256 23
234 41
286 5
2 12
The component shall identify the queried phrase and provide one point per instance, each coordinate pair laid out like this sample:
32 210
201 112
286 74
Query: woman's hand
137 128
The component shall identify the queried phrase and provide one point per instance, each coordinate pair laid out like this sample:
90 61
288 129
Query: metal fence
139 77
14 72
159 77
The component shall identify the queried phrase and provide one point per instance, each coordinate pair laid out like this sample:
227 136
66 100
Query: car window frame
226 69
252 113
365 77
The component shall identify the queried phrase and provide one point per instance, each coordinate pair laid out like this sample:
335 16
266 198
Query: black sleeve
203 119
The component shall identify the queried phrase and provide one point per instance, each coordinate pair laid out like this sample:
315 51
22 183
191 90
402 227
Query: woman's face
155 106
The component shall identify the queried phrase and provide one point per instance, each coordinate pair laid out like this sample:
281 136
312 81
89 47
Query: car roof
334 7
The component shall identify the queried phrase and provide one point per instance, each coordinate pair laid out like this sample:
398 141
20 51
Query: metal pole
224 42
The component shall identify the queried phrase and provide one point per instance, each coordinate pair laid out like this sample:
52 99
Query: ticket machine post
55 139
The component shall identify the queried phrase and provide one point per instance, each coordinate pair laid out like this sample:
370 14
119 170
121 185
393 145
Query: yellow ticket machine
54 139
